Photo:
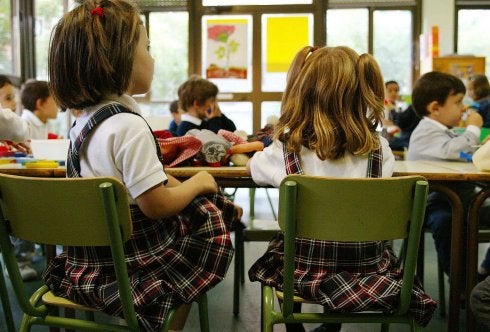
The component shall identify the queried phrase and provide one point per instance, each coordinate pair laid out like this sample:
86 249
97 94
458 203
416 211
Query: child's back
331 108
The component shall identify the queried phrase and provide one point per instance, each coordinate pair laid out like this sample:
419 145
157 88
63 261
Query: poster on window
227 48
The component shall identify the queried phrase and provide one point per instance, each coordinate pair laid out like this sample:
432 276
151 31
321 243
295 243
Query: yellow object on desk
42 164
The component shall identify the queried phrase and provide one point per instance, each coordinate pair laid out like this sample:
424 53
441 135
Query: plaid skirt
170 261
343 276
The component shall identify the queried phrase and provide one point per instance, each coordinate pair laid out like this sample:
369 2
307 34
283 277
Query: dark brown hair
197 89
434 86
333 103
4 80
91 56
481 87
32 91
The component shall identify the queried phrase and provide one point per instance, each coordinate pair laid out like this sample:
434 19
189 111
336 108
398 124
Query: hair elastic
99 11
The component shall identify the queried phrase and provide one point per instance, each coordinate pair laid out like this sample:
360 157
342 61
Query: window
6 42
169 47
348 27
283 36
392 46
471 24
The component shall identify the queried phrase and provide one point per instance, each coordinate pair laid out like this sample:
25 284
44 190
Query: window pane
348 27
240 113
253 2
6 63
472 23
269 109
168 39
227 52
393 46
47 14
283 36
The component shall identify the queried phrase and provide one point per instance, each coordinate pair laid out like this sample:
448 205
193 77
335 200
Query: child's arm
163 201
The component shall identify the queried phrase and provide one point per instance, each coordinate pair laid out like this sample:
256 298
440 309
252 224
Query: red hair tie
99 11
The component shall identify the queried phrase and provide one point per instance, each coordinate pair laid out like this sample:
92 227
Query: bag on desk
481 157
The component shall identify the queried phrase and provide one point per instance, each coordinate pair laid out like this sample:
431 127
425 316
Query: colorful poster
227 48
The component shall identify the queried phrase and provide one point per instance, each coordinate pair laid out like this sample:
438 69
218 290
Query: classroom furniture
6 307
438 173
441 278
257 230
306 204
88 212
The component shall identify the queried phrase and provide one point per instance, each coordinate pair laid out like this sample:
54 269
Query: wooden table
438 174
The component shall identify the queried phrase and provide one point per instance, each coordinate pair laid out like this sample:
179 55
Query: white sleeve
388 158
267 166
12 127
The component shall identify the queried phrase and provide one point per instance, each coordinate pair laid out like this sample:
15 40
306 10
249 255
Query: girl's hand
206 183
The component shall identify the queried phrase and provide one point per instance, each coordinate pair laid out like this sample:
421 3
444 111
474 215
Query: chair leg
442 292
271 204
7 309
238 268
385 327
203 313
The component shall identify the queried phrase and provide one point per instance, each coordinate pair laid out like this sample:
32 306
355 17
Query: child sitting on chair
437 98
331 108
39 107
197 99
180 246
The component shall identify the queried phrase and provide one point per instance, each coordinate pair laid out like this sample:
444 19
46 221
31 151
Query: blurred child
39 107
438 99
172 221
14 130
7 93
197 99
479 92
331 108
176 117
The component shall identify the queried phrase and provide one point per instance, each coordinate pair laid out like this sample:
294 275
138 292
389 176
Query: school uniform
36 128
170 261
352 276
431 140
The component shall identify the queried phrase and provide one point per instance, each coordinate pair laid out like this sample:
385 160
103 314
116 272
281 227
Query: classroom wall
442 14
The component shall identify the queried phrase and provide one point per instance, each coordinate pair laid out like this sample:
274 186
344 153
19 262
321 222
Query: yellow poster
286 35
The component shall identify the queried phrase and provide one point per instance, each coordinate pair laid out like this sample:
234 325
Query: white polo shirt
121 146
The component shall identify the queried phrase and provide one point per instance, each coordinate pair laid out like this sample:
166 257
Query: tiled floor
221 297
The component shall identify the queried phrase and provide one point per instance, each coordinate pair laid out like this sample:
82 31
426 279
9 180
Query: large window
348 27
472 26
392 49
385 33
7 48
169 47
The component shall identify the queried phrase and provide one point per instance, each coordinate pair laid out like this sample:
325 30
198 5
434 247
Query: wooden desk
36 172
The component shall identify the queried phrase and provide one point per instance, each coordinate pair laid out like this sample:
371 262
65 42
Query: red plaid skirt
343 276
170 261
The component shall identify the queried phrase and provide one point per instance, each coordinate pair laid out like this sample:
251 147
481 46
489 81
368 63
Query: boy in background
176 117
437 98
197 99
39 107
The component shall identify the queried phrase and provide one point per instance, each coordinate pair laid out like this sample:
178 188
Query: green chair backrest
68 212
62 211
352 210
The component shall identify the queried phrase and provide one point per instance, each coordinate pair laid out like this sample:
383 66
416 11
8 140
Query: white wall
440 13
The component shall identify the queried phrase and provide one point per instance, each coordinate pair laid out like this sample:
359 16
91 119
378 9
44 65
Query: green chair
4 297
69 212
367 209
